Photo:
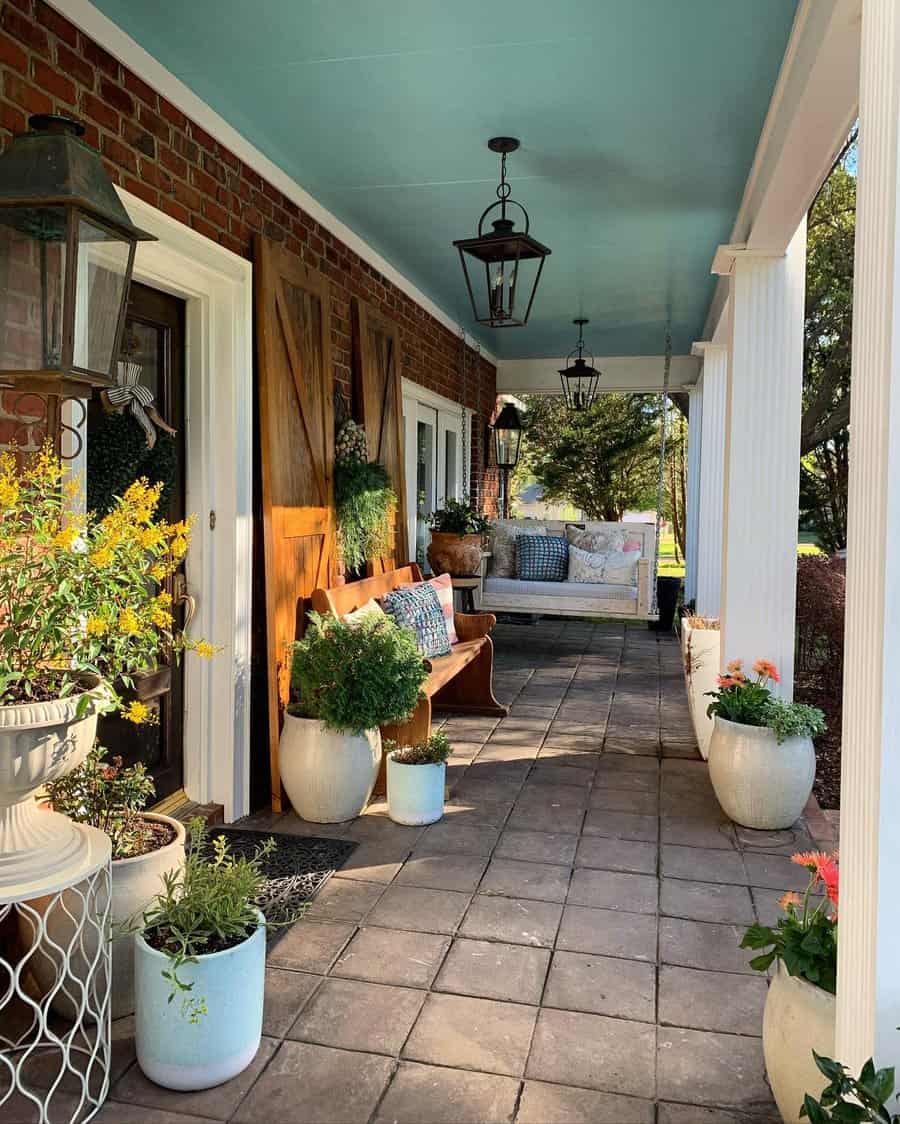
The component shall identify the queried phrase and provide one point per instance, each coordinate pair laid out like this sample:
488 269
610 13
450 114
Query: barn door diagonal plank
296 429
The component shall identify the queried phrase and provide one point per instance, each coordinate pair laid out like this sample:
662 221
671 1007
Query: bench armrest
643 587
472 626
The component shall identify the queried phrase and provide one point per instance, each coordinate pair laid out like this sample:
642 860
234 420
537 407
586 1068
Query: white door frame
217 287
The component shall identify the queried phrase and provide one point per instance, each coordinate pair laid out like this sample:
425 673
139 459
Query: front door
117 454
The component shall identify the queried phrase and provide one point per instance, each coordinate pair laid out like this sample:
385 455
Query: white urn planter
701 647
415 792
328 775
798 1018
760 782
135 883
39 742
182 1054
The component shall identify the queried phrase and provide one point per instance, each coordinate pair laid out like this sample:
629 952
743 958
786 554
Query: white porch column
762 454
868 1006
695 437
712 477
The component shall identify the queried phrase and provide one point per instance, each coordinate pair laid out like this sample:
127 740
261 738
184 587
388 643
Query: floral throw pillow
542 558
585 565
503 546
620 567
420 610
596 542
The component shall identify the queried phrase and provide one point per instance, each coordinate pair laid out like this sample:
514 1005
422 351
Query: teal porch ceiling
638 119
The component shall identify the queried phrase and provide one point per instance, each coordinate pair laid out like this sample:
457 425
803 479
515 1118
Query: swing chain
464 418
660 483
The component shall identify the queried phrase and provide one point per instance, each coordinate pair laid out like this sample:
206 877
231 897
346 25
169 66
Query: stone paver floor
561 948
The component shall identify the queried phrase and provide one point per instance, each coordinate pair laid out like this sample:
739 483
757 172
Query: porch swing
499 592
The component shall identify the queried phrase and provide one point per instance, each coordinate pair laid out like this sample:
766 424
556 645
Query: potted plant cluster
145 846
799 1014
347 680
416 780
81 611
458 531
200 964
761 757
364 500
700 640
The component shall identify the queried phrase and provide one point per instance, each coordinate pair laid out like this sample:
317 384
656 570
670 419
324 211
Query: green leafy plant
207 906
80 595
356 677
105 795
433 752
851 1100
750 702
365 506
459 517
805 938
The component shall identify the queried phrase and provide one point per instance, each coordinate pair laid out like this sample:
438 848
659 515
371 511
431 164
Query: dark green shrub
459 517
433 752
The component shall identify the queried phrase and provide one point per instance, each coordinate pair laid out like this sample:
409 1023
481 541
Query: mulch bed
827 786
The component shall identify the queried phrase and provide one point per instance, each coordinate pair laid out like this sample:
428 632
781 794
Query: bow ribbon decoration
130 393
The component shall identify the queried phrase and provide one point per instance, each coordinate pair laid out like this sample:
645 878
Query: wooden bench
460 681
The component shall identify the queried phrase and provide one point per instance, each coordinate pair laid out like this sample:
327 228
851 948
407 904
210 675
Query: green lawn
668 567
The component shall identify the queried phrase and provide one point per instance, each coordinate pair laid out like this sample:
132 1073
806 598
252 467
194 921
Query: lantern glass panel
506 446
32 270
101 278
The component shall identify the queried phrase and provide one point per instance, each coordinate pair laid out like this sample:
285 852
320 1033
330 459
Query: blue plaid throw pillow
542 558
419 609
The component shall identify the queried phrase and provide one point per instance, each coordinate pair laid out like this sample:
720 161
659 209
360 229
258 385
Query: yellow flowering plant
82 595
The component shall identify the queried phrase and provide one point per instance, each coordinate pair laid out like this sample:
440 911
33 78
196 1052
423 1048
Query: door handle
183 597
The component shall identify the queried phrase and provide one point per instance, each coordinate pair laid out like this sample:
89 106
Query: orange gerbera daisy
767 670
789 899
734 667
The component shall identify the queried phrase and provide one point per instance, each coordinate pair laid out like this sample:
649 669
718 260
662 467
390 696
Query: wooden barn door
378 405
297 457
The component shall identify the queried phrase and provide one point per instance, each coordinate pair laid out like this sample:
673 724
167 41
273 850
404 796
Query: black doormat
296 870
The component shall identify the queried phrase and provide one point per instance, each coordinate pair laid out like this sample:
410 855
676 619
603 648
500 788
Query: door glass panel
425 497
450 465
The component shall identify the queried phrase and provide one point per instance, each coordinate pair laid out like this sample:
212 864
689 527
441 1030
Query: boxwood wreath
117 455
365 502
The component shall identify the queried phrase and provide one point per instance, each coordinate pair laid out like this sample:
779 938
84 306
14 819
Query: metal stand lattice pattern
55 1002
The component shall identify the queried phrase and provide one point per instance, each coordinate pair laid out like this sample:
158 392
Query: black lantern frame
502 253
507 446
579 378
67 249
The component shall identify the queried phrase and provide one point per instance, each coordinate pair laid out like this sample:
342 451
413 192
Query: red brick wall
152 150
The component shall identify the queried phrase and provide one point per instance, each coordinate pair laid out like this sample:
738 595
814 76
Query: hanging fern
365 504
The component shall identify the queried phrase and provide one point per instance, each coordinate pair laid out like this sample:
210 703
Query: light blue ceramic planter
179 1054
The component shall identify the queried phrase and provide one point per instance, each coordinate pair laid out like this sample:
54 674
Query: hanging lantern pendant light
579 378
510 258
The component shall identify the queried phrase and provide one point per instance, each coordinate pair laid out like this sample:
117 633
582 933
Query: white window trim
217 287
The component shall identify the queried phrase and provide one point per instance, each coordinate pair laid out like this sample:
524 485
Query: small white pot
180 1054
759 782
798 1018
135 882
415 792
328 776
701 669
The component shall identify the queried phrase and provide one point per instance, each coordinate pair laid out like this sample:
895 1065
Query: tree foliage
604 460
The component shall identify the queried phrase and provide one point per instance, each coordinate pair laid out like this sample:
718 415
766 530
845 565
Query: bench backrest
344 599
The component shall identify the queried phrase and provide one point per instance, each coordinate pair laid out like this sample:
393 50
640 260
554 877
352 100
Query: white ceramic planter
759 782
798 1018
40 742
415 792
701 668
179 1054
328 776
135 882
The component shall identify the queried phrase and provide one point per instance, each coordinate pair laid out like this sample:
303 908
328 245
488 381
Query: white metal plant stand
55 1042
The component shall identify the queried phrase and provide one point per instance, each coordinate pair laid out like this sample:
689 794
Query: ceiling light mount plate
503 144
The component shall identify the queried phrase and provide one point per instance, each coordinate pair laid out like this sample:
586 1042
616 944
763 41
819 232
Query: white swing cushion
513 587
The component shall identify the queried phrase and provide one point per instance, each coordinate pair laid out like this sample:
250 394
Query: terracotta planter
798 1018
459 555
701 668
760 782
328 776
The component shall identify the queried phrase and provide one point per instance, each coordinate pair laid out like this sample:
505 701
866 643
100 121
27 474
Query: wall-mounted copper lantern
66 256
512 260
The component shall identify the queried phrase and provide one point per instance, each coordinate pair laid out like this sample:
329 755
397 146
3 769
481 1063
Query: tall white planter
328 776
758 781
415 792
701 648
798 1018
180 1054
40 742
